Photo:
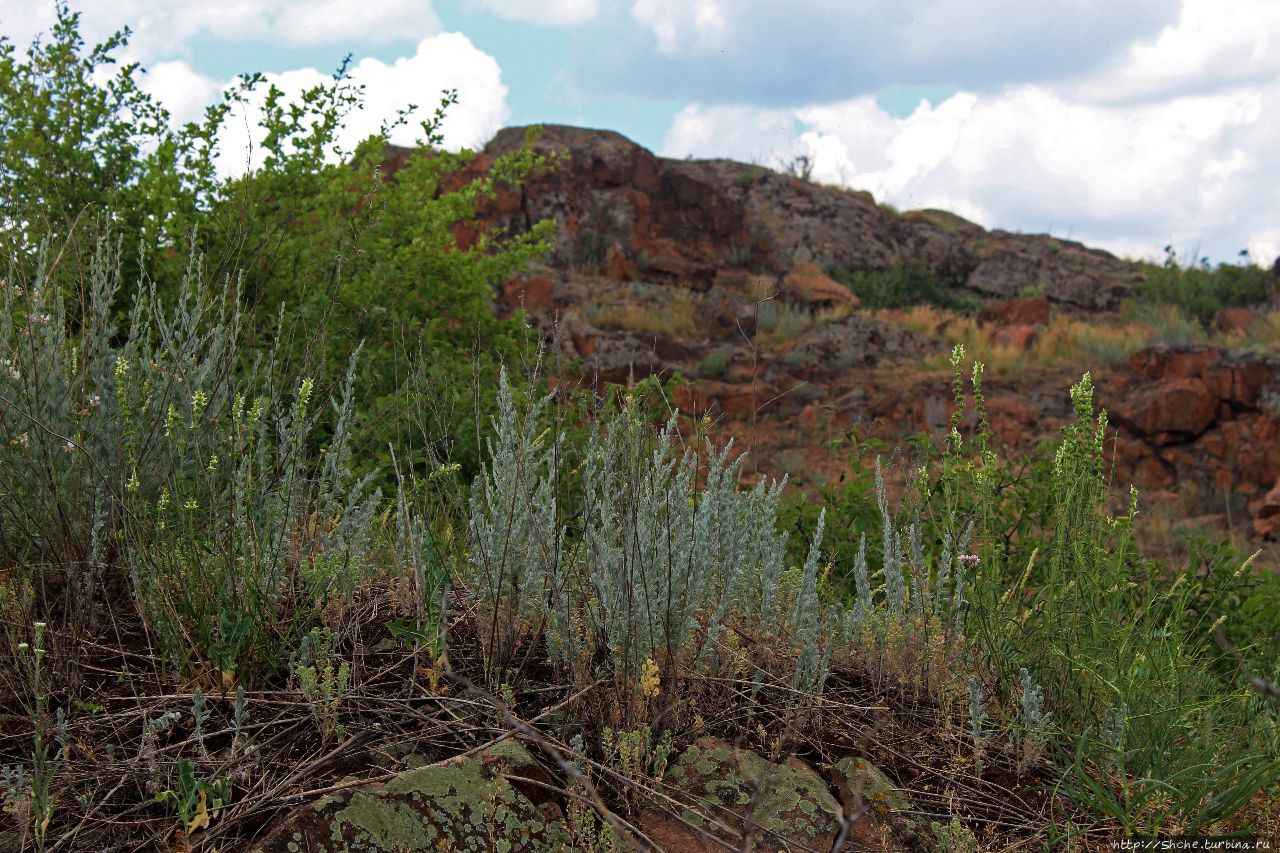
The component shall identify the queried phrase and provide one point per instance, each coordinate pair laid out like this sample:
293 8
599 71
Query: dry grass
1077 343
669 311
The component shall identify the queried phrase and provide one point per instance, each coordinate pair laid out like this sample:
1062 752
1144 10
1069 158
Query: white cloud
1185 170
184 91
1213 44
698 25
1178 142
558 13
447 60
162 29
766 52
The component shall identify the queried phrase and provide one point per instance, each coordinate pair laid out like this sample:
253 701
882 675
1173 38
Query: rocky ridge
722 272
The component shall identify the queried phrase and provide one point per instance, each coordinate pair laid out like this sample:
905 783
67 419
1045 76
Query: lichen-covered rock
465 804
741 795
857 341
886 822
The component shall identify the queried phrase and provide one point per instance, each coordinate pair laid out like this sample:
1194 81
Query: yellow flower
650 681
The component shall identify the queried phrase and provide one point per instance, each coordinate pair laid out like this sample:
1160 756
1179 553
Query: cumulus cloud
558 13
163 28
786 54
445 61
1212 45
1174 141
1133 178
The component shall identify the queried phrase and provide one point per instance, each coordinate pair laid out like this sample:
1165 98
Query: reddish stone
1169 410
507 200
619 265
1016 312
1165 362
464 234
1013 420
807 283
1267 522
1021 338
584 344
532 292
1239 381
810 416
1234 321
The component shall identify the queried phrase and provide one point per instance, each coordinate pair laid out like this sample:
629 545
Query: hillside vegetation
319 532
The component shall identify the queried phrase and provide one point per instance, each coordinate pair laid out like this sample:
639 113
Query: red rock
1239 381
1022 337
1165 362
1016 312
1267 522
1168 411
1013 420
464 234
619 265
736 400
532 292
810 416
809 284
1234 321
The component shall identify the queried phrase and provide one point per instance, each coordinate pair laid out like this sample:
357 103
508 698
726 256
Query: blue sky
1129 124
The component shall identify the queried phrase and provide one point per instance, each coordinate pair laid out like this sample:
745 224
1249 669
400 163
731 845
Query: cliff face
722 272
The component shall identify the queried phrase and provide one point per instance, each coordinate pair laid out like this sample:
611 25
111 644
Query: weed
322 684
714 366
195 801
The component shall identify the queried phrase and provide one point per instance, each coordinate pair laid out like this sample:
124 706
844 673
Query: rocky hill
730 275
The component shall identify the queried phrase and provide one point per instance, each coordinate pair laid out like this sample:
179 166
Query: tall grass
164 445
1135 705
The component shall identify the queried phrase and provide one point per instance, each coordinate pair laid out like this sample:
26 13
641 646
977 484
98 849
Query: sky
1126 124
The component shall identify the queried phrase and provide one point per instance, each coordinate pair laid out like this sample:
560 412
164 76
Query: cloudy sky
1128 124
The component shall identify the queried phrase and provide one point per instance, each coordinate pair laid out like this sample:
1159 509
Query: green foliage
1105 662
906 283
323 681
714 366
195 800
666 554
1200 290
316 229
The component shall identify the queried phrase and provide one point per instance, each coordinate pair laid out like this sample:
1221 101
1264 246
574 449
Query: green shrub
1104 661
907 283
714 366
663 559
782 319
1200 290
315 230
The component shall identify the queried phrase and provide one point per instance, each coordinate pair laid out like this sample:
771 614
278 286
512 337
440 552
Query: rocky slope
721 272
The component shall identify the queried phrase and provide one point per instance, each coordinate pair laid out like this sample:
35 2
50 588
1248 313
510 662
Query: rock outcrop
716 794
726 274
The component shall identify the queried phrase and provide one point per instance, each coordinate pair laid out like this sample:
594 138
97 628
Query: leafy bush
1105 661
714 366
236 527
1200 290
316 227
907 283
666 553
